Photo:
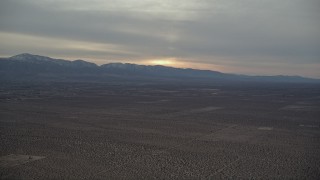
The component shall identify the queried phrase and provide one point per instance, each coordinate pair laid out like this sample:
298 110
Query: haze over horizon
266 37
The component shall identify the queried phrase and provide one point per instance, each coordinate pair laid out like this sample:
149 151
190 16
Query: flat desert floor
150 131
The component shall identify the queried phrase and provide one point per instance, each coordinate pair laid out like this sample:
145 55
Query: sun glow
164 62
178 63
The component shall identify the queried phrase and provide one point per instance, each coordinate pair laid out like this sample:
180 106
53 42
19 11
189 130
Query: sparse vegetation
150 131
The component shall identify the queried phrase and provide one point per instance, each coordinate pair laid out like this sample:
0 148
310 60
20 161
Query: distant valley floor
159 131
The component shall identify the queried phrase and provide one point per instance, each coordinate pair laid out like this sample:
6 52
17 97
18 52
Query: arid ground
159 131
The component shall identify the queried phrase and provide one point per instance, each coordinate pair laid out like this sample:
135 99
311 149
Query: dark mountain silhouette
35 67
36 59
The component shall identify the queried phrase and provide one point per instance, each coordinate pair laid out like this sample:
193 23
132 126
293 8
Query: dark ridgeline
34 67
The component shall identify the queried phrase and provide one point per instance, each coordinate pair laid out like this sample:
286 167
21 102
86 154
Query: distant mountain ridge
30 58
37 66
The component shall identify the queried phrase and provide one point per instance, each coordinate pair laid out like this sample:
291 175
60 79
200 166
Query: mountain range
34 67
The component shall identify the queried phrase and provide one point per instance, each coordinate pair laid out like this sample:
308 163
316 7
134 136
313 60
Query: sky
255 37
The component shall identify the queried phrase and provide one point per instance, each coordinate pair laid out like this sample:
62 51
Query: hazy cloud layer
247 36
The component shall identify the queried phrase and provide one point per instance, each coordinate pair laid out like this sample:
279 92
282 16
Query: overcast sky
265 37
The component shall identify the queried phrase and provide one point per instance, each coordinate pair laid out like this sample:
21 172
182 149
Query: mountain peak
37 59
30 57
23 55
82 63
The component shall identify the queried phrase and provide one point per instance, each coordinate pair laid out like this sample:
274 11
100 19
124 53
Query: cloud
231 33
13 44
